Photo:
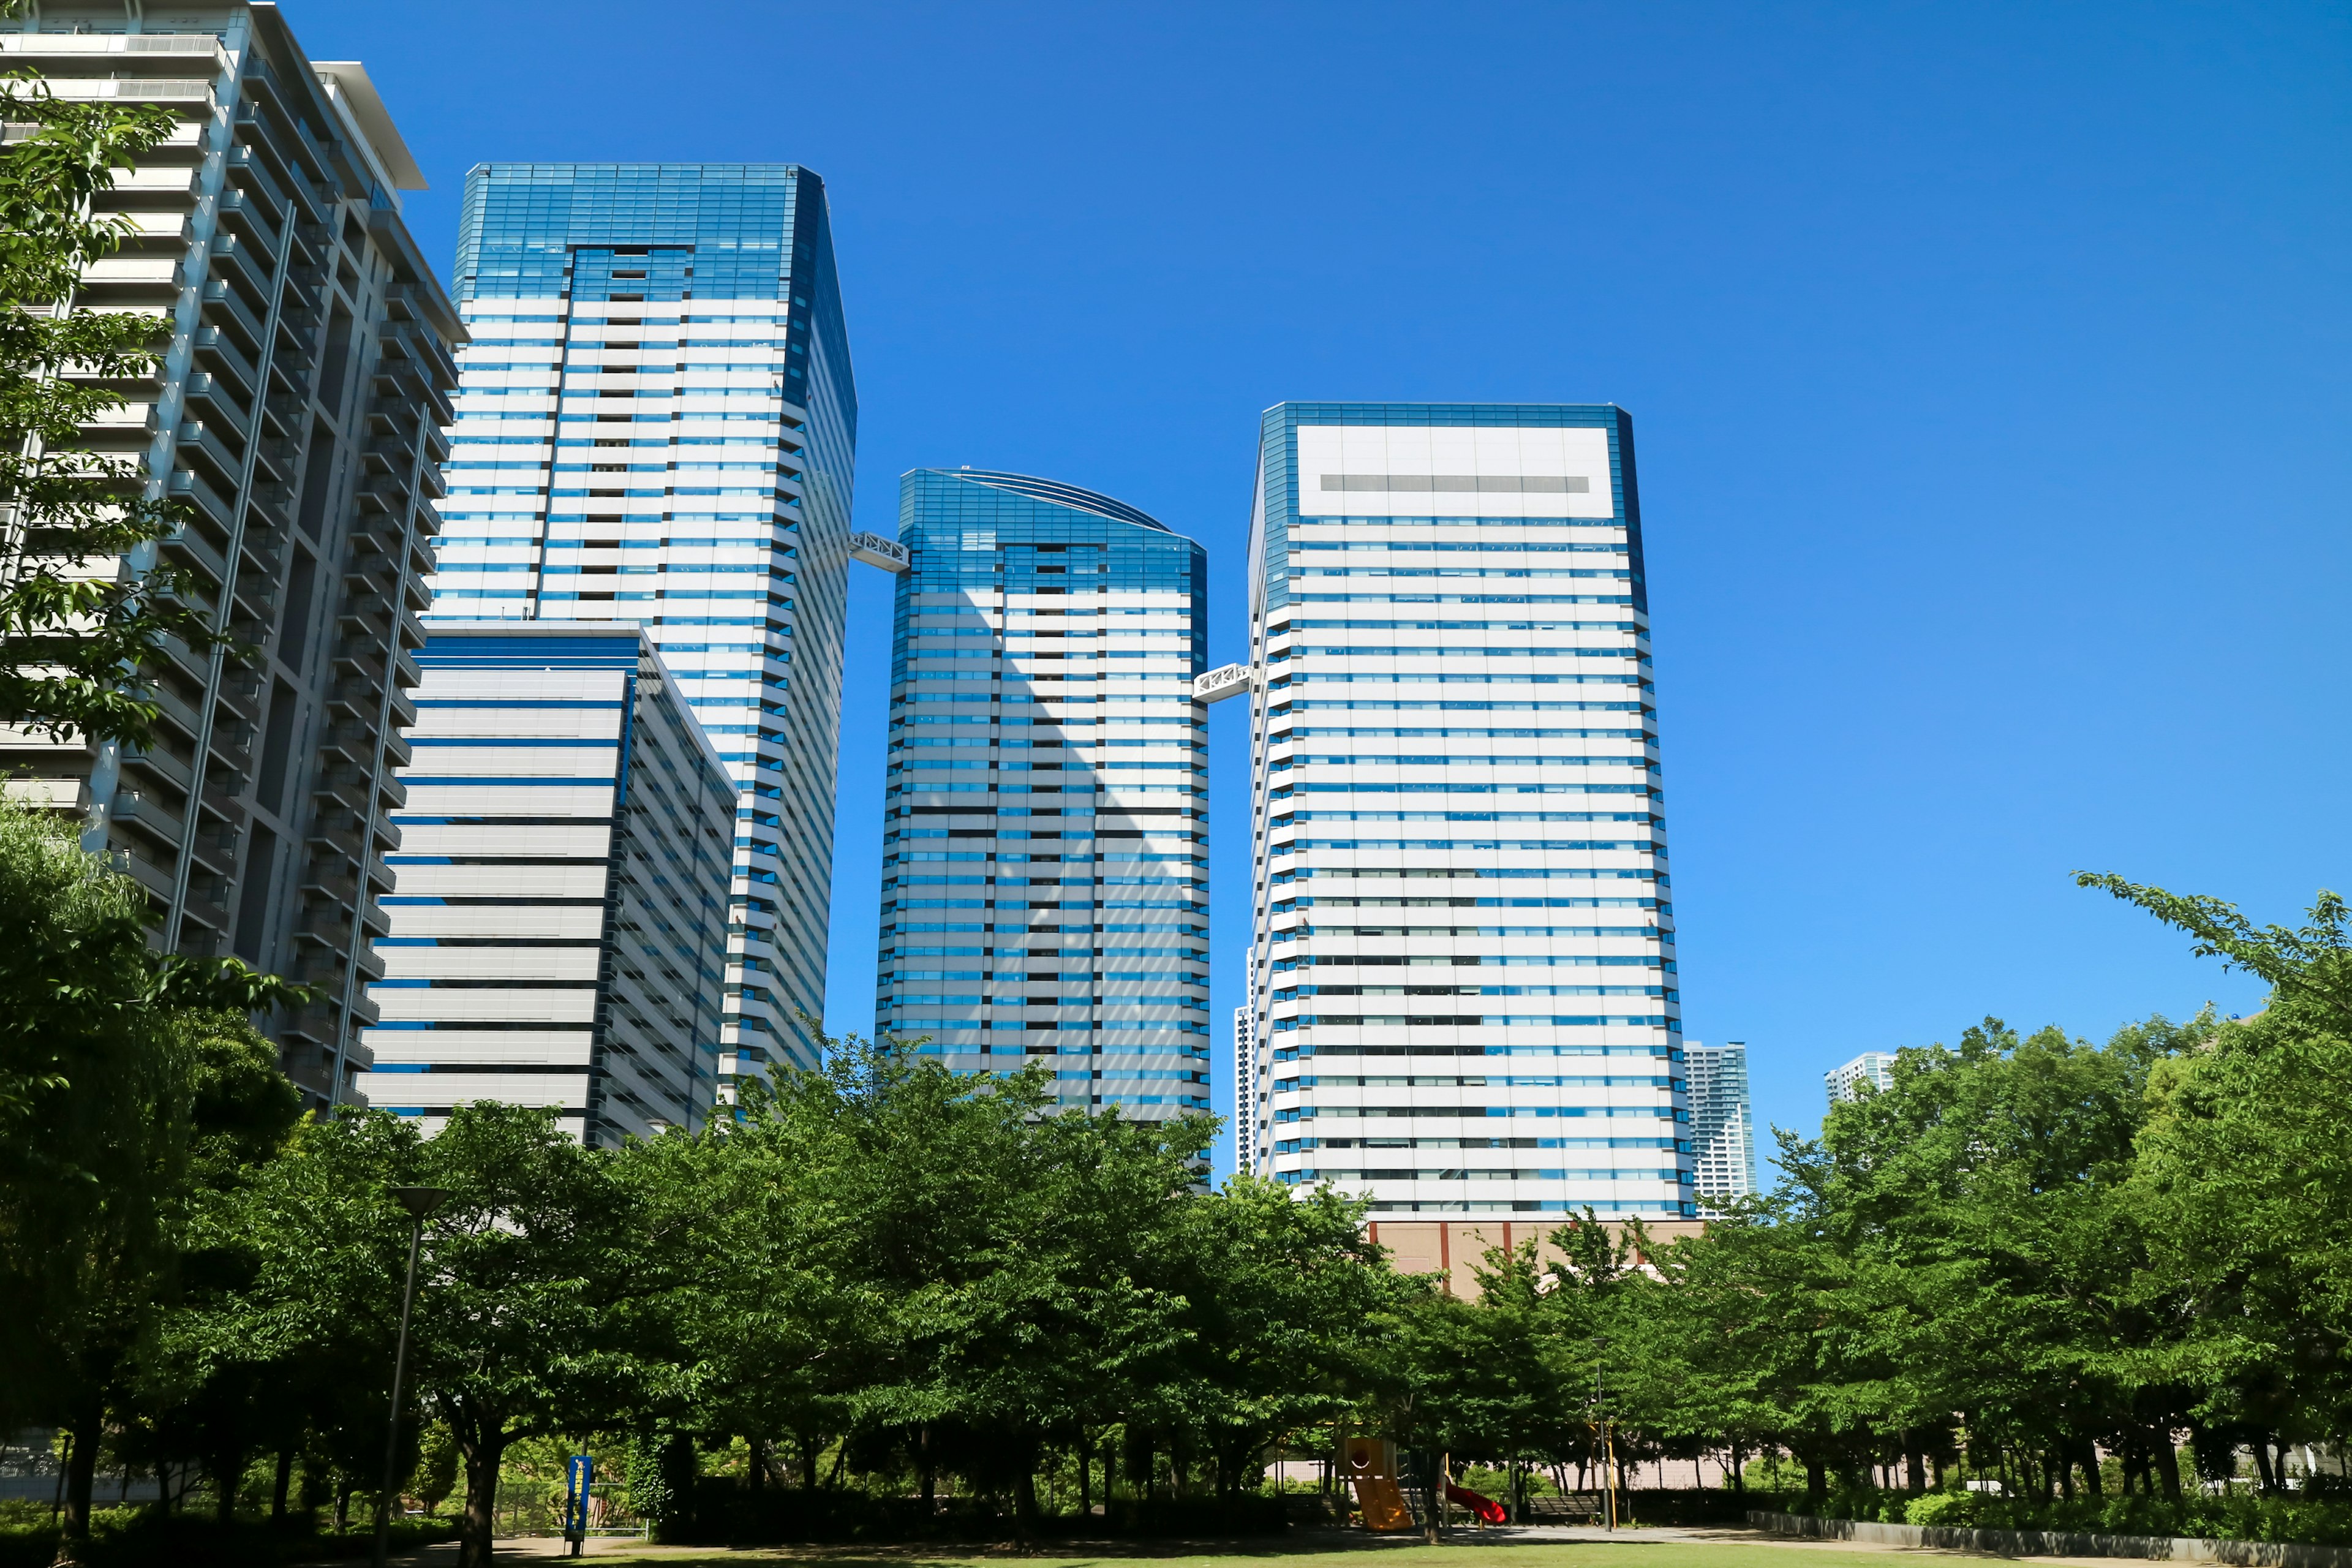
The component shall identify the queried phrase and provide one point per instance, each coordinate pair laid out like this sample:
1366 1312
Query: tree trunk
2092 1482
82 1471
2262 1465
931 1474
759 1466
226 1473
1816 1481
1739 1481
284 1485
809 1454
342 1504
2167 1463
1025 1500
480 1521
1085 1474
1915 1463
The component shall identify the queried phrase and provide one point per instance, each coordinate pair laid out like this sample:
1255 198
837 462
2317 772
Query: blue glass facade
657 422
1045 878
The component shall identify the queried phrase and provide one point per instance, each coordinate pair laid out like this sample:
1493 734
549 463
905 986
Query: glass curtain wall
1044 879
657 422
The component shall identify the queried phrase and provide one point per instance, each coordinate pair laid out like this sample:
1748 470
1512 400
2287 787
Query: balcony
243 211
210 398
224 358
225 308
184 485
147 811
191 549
203 441
163 765
237 260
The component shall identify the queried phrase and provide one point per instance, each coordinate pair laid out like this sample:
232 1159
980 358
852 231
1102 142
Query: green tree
125 1076
84 600
2244 1179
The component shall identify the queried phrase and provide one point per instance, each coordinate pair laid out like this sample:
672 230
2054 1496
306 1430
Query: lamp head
420 1201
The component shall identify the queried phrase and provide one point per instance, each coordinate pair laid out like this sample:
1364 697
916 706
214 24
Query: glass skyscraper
657 422
1463 935
1045 866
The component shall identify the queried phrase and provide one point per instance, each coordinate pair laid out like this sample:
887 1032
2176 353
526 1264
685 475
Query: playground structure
1371 1468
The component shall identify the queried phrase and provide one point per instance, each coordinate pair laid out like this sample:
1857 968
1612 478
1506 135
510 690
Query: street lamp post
419 1202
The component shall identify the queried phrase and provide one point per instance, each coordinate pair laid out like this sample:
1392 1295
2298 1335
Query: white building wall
558 914
1465 980
1875 1068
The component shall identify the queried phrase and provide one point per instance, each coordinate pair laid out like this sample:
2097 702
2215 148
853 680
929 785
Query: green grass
1463 1547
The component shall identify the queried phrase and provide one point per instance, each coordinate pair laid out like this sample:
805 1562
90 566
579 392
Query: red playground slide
1485 1508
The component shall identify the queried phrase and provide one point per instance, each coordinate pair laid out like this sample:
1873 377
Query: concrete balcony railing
224 358
225 306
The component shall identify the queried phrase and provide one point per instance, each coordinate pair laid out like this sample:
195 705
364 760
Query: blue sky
1988 364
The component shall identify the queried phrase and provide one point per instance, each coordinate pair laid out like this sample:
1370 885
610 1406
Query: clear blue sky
1990 368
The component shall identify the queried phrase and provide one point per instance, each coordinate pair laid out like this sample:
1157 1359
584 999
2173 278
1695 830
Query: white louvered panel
521 684
509 800
516 761
569 723
496 920
404 1004
494 838
441 1091
490 964
502 881
431 1046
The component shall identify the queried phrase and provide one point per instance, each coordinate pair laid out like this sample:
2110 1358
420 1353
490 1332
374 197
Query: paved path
1743 1535
519 1548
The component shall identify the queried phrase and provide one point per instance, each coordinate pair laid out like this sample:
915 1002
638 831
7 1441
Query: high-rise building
1463 930
558 906
1245 1090
1045 856
297 416
1875 1068
1723 1133
657 422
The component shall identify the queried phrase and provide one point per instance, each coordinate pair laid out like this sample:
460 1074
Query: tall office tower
1045 852
1722 1126
657 422
297 414
1463 938
558 908
1875 1068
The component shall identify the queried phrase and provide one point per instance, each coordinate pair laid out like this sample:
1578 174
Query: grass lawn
1629 1552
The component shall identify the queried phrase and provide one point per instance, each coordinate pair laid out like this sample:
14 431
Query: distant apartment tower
1045 860
1245 1144
1875 1068
1463 928
297 416
656 424
1722 1124
558 908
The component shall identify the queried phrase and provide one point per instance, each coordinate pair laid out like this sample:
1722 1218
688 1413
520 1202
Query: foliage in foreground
85 599
882 1289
